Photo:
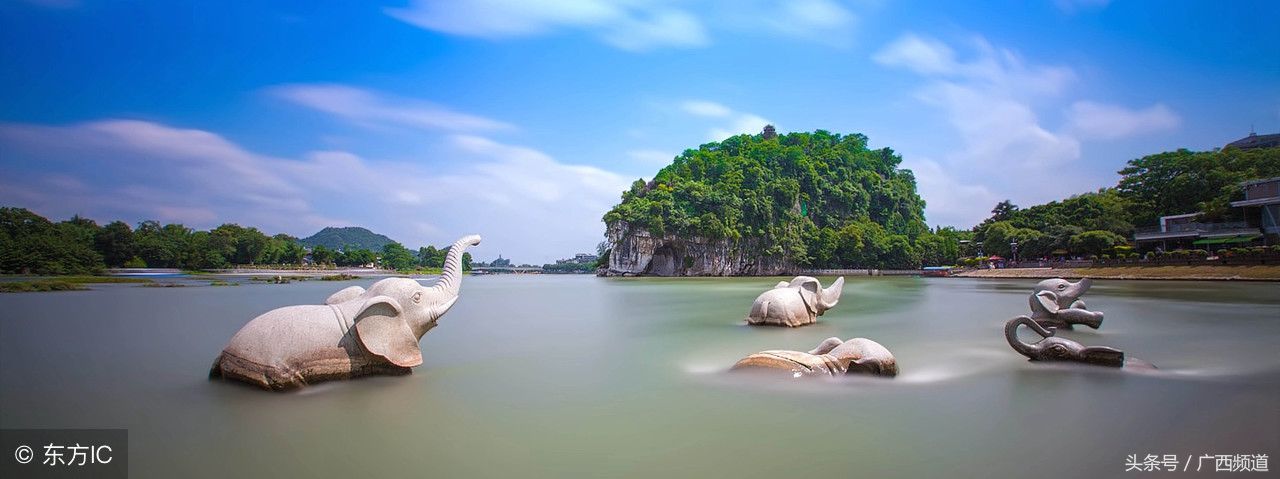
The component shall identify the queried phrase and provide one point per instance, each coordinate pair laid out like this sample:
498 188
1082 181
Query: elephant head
1056 302
818 300
794 303
393 314
1058 293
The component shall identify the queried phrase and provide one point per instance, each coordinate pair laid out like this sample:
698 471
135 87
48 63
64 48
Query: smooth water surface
570 376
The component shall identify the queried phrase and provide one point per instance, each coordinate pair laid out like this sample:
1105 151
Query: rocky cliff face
637 252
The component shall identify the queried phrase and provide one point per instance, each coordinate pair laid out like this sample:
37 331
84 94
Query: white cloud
728 121
921 55
822 21
949 201
1096 120
990 97
122 169
635 24
626 25
372 109
651 157
706 108
663 28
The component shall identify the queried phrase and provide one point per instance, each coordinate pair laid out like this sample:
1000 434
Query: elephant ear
345 294
809 292
383 331
1048 301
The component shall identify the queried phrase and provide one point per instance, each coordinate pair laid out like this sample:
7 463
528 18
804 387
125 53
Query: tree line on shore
32 244
1101 222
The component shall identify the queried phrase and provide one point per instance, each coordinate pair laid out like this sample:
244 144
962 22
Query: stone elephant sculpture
1052 348
1056 303
832 357
356 332
795 303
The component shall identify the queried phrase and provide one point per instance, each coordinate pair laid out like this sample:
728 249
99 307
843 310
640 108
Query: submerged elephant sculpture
832 357
356 332
795 303
1053 348
1056 303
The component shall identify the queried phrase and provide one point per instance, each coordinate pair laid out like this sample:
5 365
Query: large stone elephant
1056 303
356 332
832 357
795 303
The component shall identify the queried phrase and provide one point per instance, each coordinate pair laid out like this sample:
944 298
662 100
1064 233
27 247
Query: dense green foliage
351 237
31 244
816 199
1184 181
1156 185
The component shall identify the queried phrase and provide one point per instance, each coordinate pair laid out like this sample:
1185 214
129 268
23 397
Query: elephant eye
417 297
1062 286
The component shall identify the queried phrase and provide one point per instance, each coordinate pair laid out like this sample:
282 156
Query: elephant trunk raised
795 303
1056 303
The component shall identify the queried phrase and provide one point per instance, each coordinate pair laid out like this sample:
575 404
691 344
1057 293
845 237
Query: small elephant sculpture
1056 303
795 303
356 332
832 357
1052 348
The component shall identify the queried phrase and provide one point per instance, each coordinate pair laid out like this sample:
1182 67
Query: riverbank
1212 273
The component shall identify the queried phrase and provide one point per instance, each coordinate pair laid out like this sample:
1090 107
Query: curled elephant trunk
831 295
1011 334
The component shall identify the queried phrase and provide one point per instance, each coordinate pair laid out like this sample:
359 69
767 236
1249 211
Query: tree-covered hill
350 237
815 199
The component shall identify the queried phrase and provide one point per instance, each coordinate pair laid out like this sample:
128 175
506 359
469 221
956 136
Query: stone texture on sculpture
1056 303
1053 348
795 303
355 333
832 357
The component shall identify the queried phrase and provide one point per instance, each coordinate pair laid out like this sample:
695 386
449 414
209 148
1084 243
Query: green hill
815 199
347 237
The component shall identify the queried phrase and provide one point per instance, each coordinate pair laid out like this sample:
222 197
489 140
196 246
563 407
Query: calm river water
571 376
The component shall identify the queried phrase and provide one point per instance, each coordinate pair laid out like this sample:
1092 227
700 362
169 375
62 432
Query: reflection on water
559 376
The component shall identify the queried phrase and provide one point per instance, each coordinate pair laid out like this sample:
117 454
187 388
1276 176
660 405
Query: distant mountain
353 237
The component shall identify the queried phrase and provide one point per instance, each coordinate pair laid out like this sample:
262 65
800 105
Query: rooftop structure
1255 140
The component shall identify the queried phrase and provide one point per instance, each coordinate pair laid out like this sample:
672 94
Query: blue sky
523 121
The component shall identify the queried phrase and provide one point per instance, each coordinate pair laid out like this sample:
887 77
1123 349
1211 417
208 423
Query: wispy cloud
651 157
626 25
635 25
1096 120
135 170
990 97
728 122
372 109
